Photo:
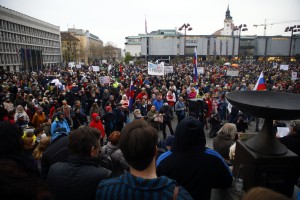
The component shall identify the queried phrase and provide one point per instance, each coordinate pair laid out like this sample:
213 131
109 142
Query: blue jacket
158 104
59 124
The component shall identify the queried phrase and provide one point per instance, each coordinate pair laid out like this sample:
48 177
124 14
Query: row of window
18 38
15 48
9 59
10 26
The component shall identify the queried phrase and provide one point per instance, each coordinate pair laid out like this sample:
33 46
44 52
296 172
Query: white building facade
27 43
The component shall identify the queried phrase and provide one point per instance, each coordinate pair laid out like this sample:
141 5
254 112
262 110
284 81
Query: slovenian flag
195 66
131 94
260 84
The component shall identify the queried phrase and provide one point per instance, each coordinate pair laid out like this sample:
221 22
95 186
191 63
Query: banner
156 69
284 67
104 79
78 66
294 76
168 69
95 68
200 70
232 73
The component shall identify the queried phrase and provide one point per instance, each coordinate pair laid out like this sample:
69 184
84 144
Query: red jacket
97 124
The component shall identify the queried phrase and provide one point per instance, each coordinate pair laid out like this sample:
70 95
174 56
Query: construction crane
270 24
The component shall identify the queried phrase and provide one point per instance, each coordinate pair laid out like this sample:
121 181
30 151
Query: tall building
91 47
228 28
27 43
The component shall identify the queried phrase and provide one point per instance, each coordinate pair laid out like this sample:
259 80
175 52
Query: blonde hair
41 147
260 193
228 129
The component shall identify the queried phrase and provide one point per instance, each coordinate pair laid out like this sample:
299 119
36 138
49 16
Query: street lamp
189 28
241 27
295 28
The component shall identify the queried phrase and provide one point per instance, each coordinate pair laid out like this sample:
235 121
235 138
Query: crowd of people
58 125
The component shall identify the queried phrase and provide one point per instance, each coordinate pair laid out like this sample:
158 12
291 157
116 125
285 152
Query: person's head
189 134
260 193
40 110
60 115
64 102
137 114
20 109
295 126
153 108
85 141
180 99
114 138
108 108
138 144
11 139
228 130
96 117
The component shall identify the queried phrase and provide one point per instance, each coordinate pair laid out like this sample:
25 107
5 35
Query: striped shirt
128 186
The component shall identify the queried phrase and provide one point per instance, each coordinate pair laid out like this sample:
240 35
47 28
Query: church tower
228 23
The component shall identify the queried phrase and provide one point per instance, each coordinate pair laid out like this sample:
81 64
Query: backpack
106 161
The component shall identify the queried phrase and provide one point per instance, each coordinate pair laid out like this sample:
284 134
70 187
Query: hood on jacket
94 115
189 134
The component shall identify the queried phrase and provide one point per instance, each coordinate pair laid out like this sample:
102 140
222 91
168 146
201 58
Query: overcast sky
113 20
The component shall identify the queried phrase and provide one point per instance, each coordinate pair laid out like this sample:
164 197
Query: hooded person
60 122
96 123
197 168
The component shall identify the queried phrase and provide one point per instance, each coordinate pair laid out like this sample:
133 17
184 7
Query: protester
79 176
59 122
197 168
96 123
19 175
138 145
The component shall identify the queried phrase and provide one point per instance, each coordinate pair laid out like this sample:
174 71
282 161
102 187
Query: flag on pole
195 66
131 94
146 25
260 84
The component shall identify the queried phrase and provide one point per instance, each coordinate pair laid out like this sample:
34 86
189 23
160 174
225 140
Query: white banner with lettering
294 76
95 68
156 69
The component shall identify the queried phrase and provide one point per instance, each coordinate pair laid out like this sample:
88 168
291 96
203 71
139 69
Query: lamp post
295 28
189 28
241 27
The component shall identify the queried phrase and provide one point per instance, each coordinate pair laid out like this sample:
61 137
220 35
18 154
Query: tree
127 58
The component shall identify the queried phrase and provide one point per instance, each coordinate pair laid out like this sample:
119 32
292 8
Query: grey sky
114 20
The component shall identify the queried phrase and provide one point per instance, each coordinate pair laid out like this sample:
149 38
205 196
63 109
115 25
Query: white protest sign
284 67
95 68
294 76
168 69
232 73
104 79
200 70
78 66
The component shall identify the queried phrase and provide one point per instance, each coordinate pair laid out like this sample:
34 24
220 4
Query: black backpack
106 161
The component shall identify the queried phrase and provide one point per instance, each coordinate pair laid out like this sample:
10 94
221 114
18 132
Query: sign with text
156 69
95 68
232 73
284 67
104 79
168 69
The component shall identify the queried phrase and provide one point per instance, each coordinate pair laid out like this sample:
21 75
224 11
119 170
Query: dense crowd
52 109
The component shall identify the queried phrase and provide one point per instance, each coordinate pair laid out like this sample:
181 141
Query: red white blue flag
260 84
131 94
195 66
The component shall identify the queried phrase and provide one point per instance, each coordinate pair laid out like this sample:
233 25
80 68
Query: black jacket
77 178
57 151
194 167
